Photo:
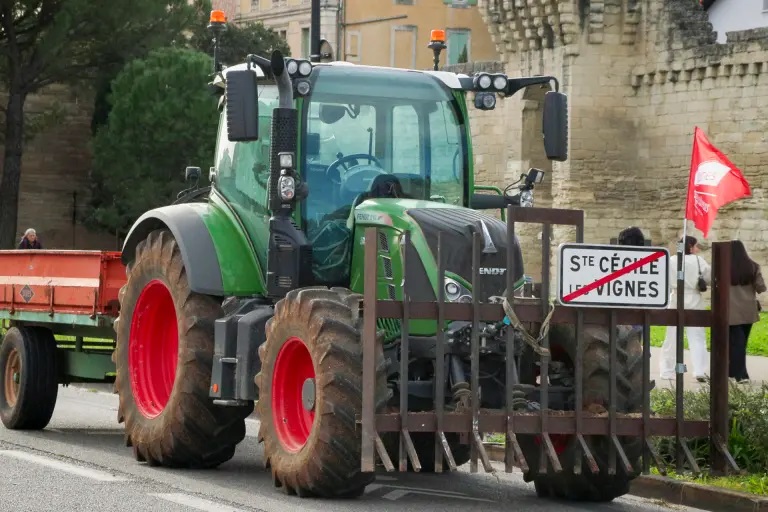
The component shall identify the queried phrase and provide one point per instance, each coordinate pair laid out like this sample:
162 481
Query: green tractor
252 295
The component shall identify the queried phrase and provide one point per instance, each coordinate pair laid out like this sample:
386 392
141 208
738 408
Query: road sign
613 276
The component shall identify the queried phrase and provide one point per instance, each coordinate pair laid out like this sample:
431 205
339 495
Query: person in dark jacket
631 236
746 284
30 240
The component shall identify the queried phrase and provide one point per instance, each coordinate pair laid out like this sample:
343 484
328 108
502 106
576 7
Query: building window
460 3
404 2
765 5
458 46
353 49
305 49
283 34
403 46
255 5
278 3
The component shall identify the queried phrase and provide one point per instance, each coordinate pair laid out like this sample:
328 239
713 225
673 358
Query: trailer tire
587 486
310 393
28 398
170 420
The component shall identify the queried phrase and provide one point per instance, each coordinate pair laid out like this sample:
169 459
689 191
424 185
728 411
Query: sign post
611 276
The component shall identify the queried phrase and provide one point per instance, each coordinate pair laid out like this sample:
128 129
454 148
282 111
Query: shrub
748 419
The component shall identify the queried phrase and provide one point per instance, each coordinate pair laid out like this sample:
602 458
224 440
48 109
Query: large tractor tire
163 359
310 392
587 486
29 379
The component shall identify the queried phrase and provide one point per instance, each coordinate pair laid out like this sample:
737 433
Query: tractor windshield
367 127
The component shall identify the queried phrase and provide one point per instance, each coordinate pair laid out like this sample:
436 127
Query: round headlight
465 299
302 87
500 82
291 66
526 198
489 100
305 68
484 81
452 290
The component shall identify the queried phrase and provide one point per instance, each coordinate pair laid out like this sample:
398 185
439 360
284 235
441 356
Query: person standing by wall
697 272
30 240
746 283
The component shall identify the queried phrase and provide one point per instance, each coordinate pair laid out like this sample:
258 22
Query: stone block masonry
640 76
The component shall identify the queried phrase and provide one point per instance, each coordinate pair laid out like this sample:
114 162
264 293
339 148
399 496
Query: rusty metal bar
441 443
371 440
529 311
657 460
512 451
546 445
560 422
647 450
383 455
719 357
612 393
407 450
476 445
549 216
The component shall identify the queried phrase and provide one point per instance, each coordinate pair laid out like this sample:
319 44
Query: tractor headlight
305 68
455 292
526 198
287 187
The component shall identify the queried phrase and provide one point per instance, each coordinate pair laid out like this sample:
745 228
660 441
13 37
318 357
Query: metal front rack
579 423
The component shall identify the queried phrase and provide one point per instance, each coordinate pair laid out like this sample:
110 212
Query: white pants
697 341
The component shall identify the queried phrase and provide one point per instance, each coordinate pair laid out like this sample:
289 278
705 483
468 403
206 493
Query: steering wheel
333 168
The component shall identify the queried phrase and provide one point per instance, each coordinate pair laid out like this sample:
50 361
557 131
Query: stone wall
640 75
55 167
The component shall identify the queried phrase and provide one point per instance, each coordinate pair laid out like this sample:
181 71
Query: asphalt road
80 463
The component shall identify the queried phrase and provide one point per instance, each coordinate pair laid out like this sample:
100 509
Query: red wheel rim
294 371
153 348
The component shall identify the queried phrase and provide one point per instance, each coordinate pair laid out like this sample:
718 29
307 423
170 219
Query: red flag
713 182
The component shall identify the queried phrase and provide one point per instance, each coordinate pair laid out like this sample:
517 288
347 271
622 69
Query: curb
677 492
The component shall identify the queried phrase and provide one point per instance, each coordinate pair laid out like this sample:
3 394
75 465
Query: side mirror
556 126
192 173
242 106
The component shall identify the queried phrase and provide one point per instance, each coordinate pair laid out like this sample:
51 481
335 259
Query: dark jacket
26 244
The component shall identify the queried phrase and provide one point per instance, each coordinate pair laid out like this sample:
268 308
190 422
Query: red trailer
56 314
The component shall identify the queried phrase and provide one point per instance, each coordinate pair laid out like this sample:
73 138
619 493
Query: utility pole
314 32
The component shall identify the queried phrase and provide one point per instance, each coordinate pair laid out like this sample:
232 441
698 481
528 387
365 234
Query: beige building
380 32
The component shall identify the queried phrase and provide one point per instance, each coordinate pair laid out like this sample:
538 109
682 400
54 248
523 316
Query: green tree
44 42
162 119
240 40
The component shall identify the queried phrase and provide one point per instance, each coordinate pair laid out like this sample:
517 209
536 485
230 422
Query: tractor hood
425 219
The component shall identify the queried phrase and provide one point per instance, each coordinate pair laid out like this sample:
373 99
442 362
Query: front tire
600 487
29 379
163 359
310 392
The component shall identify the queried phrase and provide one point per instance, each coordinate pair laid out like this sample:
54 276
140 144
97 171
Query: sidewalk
757 367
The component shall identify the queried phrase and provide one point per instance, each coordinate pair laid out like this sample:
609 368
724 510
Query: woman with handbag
744 309
698 275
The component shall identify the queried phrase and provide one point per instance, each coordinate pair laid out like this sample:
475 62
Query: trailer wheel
29 380
310 392
588 486
163 359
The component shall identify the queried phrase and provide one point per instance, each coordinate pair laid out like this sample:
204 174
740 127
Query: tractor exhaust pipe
314 32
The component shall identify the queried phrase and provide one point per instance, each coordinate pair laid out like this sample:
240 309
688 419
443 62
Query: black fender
195 243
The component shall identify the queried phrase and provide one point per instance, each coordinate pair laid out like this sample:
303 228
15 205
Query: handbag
701 284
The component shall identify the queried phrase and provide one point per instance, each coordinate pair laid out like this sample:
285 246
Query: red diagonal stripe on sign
612 276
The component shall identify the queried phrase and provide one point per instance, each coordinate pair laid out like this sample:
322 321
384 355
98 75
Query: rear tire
28 378
163 359
310 392
587 486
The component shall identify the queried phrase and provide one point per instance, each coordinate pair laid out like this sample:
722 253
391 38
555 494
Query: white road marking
93 474
402 491
194 502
